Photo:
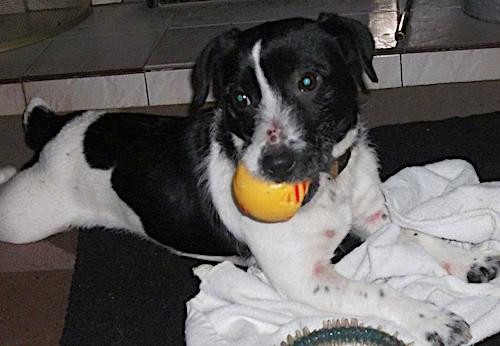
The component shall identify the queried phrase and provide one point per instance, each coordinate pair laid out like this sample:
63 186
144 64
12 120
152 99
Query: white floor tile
37 5
169 87
450 66
388 68
104 92
105 2
11 99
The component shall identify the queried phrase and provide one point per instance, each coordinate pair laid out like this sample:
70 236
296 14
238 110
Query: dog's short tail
41 124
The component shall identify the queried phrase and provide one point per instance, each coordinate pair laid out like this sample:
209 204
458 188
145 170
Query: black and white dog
286 106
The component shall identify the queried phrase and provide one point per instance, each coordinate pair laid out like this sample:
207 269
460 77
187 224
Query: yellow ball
264 200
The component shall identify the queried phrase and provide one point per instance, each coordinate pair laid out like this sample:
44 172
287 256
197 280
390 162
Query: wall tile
388 68
105 2
169 87
11 99
120 91
36 5
450 66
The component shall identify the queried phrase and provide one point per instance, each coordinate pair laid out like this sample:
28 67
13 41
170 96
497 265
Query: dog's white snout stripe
268 96
275 120
273 113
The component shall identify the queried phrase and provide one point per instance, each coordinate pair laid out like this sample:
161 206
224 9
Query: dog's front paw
437 327
484 270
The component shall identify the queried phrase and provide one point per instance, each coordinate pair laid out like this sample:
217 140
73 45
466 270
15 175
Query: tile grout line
146 86
22 79
23 75
401 69
167 27
24 95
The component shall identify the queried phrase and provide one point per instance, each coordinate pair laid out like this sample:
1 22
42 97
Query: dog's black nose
278 162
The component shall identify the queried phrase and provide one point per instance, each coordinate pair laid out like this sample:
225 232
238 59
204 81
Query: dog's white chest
325 216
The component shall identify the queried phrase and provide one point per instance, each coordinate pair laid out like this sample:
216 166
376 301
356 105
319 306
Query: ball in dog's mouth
267 201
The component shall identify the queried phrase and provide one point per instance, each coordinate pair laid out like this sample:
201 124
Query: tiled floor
438 25
152 50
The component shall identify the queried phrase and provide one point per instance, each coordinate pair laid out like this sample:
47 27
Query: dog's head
286 91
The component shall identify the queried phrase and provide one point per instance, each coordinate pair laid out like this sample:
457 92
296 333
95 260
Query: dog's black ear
204 72
356 44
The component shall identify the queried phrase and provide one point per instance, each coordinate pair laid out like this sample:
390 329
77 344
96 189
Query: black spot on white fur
458 333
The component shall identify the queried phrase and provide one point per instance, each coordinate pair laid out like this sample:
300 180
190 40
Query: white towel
235 307
241 308
445 199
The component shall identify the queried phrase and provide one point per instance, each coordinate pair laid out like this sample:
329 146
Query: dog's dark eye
308 82
241 100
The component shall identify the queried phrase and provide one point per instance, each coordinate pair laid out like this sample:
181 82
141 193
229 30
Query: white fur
341 147
272 114
35 102
6 173
295 255
60 191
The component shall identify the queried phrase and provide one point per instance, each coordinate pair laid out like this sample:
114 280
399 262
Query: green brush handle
342 332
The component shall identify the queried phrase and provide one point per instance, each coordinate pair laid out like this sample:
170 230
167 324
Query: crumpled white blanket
445 199
237 307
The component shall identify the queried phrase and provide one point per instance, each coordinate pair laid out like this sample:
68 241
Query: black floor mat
129 292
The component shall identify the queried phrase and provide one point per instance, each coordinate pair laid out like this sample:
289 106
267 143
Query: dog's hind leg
33 203
6 173
31 207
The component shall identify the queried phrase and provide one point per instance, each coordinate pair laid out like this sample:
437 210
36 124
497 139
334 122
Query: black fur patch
334 49
42 126
349 243
156 172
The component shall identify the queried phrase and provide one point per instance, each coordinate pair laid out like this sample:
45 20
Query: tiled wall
134 56
172 86
119 91
104 2
450 66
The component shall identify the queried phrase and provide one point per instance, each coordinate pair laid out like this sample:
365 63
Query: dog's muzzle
278 162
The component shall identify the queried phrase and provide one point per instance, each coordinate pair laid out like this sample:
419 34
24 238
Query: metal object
403 21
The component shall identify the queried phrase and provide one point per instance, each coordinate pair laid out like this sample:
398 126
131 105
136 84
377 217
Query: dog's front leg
473 265
312 279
